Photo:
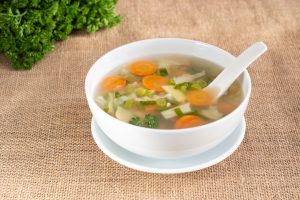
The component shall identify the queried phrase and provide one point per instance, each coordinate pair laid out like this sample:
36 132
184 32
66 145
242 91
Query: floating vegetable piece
142 68
176 94
199 97
123 114
170 113
189 121
188 78
155 82
113 83
211 113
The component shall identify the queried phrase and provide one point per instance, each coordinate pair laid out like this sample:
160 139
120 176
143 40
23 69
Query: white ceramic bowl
163 143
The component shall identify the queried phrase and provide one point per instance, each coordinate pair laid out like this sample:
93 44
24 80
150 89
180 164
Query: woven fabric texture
46 147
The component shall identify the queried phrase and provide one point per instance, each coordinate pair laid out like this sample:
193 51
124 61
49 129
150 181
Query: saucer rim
139 167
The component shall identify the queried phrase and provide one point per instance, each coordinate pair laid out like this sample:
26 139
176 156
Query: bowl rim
245 74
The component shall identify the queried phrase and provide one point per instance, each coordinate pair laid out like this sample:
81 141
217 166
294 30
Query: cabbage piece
188 78
170 113
176 94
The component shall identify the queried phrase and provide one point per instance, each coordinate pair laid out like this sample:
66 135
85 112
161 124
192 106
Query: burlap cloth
46 147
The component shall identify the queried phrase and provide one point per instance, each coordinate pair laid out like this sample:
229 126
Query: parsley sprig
150 121
28 29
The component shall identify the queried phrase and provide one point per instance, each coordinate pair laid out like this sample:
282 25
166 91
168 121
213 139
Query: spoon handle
223 81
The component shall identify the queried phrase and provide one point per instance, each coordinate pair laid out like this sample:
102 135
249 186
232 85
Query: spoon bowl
223 81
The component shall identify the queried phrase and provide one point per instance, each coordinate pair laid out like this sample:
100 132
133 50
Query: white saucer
169 166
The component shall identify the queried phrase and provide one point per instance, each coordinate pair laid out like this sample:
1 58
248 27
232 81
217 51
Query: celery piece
161 102
178 112
188 78
171 82
141 92
149 93
202 83
130 88
117 94
163 72
128 104
144 103
170 113
183 86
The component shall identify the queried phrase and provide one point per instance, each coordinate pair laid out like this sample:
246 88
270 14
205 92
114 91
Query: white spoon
223 81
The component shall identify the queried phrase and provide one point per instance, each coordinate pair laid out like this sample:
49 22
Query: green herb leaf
151 121
28 29
136 121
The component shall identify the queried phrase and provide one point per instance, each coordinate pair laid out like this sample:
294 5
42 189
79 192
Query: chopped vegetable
142 68
184 86
113 83
189 121
141 92
188 78
163 72
200 84
117 94
123 114
144 103
211 113
101 102
199 97
128 104
161 103
110 99
170 113
176 94
130 88
171 82
155 82
136 121
120 100
178 112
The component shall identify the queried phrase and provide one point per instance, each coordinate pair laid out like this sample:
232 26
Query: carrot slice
199 98
225 107
154 82
113 83
189 121
142 68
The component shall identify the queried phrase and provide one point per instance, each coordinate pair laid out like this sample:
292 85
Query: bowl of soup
148 97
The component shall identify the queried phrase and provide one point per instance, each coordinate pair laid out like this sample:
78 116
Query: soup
165 92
